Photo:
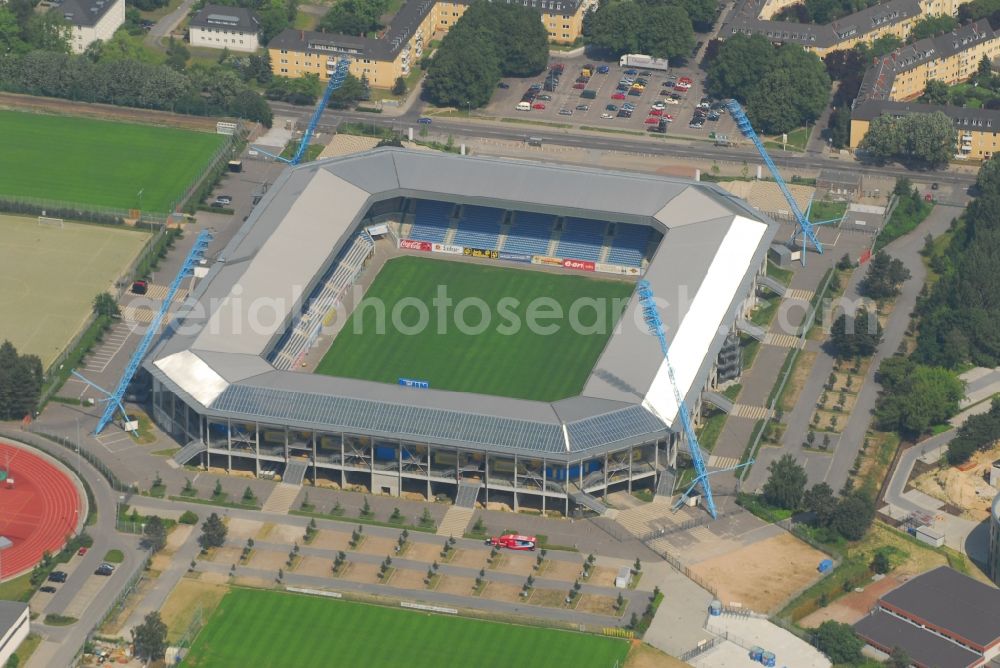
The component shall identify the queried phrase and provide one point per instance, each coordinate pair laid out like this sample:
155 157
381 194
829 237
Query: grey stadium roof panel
702 272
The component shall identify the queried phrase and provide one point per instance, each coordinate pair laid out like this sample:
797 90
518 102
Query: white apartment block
220 27
92 20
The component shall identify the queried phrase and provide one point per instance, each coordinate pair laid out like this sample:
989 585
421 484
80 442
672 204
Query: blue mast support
336 81
115 398
736 111
652 318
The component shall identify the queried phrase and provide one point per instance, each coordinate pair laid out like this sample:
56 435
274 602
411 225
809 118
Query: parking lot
565 104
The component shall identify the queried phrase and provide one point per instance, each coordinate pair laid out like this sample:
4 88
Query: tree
105 305
926 140
853 516
150 638
20 383
929 26
935 92
885 45
154 534
463 73
839 127
399 87
177 55
915 396
978 432
855 335
820 501
883 278
786 483
899 658
839 642
880 563
213 532
659 30
354 17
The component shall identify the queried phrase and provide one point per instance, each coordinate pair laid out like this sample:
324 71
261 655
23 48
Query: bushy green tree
354 17
884 276
658 30
150 638
856 334
154 534
20 383
820 501
839 642
928 26
927 140
915 397
785 484
978 432
213 532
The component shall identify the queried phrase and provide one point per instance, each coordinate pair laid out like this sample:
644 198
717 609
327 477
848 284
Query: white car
658 105
671 100
607 115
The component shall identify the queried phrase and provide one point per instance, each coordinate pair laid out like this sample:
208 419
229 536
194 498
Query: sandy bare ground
517 563
240 529
550 598
258 583
448 584
600 605
363 573
501 591
189 598
268 560
176 538
469 558
286 534
603 577
315 566
222 578
850 608
646 656
966 488
378 546
561 570
331 540
227 555
424 552
764 575
408 578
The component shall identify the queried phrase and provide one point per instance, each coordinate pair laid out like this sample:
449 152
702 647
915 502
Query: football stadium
419 322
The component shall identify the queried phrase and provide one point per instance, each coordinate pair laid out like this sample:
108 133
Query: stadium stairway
295 472
577 495
750 329
281 498
777 287
720 401
467 494
189 452
455 521
553 243
665 486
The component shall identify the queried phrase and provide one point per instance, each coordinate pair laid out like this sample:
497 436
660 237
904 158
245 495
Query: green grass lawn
500 359
104 163
273 629
114 557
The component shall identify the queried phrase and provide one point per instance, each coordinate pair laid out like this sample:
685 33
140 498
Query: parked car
583 107
538 105
105 569
565 112
623 113
579 86
217 205
503 85
225 199
713 116
655 112
618 96
536 86
645 74
631 72
607 115
545 98
611 107
668 84
48 589
635 92
603 69
82 551
652 119
140 287
57 576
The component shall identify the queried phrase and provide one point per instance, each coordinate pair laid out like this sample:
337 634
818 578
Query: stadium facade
236 394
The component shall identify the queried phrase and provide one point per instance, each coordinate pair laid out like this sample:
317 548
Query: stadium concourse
235 392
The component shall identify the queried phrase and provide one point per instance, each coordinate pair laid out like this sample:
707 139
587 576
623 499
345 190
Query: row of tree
782 87
848 515
22 29
20 383
822 11
354 17
490 40
661 29
206 91
919 140
978 432
959 314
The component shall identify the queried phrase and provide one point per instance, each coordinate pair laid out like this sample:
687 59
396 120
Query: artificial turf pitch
502 359
105 163
267 629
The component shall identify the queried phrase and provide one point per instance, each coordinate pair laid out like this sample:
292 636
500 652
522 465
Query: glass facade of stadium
395 466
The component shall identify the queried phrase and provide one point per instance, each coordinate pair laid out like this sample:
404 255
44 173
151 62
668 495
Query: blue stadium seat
530 234
582 239
479 227
628 247
431 221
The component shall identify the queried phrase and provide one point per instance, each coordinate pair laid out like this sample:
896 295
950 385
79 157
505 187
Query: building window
284 69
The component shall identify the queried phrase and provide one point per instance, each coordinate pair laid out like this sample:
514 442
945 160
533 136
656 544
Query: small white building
14 626
220 27
92 20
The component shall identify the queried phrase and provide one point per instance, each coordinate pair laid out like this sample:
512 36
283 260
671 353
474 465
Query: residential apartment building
295 53
891 84
91 20
895 17
221 27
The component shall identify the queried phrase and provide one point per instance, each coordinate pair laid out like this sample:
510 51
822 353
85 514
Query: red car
579 86
651 120
655 112
618 96
513 542
538 105
82 551
686 80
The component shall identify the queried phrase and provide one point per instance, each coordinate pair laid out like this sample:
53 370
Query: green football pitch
274 629
86 161
383 340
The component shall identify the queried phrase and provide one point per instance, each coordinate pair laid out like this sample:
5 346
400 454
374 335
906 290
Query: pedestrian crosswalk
799 295
716 462
136 314
159 293
750 412
783 340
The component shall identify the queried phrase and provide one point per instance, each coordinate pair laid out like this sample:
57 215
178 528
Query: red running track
37 512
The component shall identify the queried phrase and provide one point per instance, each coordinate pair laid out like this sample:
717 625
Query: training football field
87 161
454 351
50 276
268 629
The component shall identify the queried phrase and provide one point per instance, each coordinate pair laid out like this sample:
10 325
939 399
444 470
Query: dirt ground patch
470 558
803 366
842 384
764 575
833 400
378 546
449 584
240 529
427 552
359 572
176 538
829 421
550 598
315 566
850 608
250 581
408 578
268 560
599 605
286 534
561 570
226 555
501 591
331 540
966 489
603 577
518 564
645 656
189 598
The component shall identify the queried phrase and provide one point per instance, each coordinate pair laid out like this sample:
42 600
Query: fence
40 439
216 166
94 213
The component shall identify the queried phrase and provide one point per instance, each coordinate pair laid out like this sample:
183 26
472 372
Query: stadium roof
702 273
